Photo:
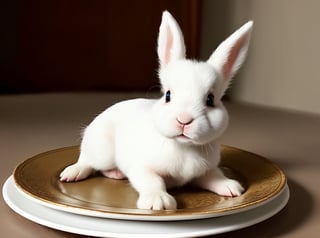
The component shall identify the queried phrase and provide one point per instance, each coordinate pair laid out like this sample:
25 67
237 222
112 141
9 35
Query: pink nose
184 119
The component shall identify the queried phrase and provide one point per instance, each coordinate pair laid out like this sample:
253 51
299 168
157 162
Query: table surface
34 123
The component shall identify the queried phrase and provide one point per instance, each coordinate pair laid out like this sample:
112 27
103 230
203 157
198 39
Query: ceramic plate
38 179
102 227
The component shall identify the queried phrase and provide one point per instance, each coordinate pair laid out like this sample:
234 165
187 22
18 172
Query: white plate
102 227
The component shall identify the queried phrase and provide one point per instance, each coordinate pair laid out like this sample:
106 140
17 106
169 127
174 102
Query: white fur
159 144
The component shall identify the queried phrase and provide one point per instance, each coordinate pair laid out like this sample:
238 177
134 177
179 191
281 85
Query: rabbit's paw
227 187
75 172
156 201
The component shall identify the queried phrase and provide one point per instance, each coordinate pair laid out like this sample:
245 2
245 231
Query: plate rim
207 225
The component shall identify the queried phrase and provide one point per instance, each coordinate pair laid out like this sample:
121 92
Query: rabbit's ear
170 41
231 53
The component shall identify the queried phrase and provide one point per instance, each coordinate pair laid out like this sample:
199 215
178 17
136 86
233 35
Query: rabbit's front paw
156 201
228 187
75 172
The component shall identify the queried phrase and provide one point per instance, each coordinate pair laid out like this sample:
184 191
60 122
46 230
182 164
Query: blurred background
100 45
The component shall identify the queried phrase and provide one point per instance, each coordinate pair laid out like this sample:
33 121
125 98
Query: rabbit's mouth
184 138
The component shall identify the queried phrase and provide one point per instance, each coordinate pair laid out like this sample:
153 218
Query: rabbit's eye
168 96
210 100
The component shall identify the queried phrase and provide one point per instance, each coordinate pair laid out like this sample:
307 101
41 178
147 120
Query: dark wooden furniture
56 45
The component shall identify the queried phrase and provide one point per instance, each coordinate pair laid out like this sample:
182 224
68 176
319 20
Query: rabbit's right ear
170 41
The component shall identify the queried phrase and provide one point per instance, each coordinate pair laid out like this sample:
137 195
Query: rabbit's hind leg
114 174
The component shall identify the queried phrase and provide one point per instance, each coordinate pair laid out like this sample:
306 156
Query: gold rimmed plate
38 179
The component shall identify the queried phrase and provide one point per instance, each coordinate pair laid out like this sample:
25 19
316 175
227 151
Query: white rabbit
174 140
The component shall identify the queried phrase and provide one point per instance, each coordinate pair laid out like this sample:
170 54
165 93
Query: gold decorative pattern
38 177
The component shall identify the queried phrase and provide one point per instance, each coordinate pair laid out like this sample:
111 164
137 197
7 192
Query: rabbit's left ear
170 41
231 53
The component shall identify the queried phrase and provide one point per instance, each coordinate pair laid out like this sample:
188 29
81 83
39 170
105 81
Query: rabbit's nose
184 119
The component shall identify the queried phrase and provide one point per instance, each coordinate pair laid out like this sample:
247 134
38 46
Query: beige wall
283 65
